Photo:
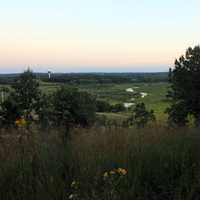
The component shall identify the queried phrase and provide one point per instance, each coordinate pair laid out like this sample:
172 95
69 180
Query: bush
103 106
9 112
118 107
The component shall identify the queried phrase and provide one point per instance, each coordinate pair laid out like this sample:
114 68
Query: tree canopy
185 88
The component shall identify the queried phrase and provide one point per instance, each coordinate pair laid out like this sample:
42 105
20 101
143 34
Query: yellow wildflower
105 175
71 196
23 122
17 122
122 171
20 122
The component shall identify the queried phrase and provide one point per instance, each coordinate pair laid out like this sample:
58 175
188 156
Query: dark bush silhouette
9 113
119 107
103 106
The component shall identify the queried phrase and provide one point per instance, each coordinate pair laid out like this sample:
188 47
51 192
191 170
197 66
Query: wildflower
20 122
71 196
105 175
122 171
17 122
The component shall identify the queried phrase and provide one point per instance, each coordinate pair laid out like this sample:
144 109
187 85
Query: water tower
49 74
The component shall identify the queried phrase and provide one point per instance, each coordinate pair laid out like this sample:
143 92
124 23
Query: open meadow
114 93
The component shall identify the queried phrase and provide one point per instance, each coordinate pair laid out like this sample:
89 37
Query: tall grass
161 164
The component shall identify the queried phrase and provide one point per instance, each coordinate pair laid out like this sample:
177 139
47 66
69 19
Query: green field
116 93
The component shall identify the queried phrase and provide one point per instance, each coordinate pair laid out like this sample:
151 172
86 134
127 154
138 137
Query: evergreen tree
141 116
185 88
26 93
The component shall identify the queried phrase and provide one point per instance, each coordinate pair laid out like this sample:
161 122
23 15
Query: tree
22 101
26 93
141 116
177 114
44 110
185 88
72 107
3 91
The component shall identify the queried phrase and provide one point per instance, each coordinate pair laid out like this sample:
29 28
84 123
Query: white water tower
49 74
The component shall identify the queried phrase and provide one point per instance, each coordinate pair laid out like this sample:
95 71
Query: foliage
44 110
178 114
103 106
9 112
71 106
141 116
185 88
160 164
119 107
26 93
65 107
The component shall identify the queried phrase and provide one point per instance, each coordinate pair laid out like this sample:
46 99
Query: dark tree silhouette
26 93
73 107
185 88
141 116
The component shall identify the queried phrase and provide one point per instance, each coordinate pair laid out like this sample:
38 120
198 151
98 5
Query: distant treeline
87 78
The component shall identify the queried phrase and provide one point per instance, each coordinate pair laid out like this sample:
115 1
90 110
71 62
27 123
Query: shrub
119 107
9 112
103 106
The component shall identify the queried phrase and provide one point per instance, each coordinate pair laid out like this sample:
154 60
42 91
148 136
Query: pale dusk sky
96 35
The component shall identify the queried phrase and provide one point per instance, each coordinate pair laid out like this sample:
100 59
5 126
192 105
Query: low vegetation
154 163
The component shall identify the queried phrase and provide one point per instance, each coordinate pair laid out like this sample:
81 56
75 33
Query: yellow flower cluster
20 122
122 171
119 171
71 196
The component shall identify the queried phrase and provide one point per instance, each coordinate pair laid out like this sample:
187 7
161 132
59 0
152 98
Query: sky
96 35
